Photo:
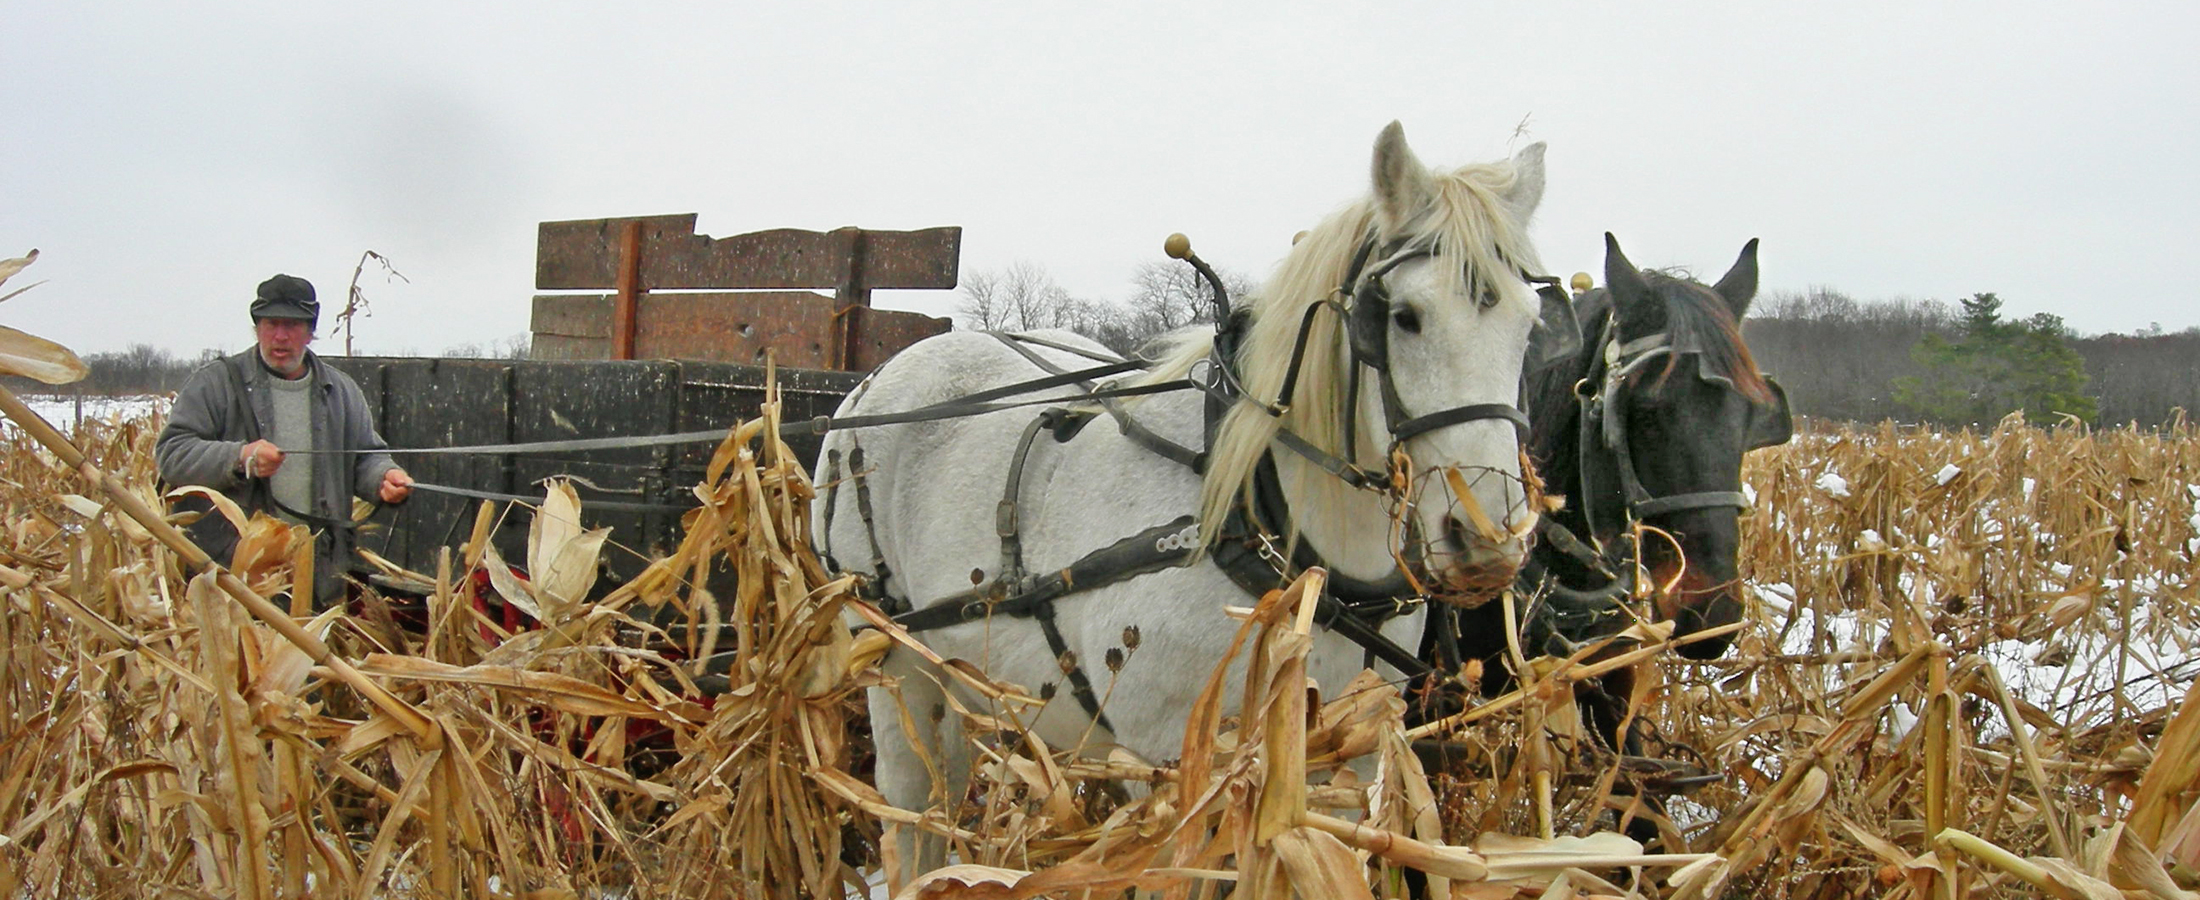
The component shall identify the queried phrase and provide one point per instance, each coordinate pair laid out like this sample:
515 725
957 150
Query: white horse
1446 249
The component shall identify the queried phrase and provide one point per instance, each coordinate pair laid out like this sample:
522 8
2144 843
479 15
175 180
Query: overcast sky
167 157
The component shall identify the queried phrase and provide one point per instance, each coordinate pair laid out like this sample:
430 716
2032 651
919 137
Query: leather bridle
1603 422
1602 426
1363 302
1246 548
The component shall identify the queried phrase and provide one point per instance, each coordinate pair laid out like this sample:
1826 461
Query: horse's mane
1469 221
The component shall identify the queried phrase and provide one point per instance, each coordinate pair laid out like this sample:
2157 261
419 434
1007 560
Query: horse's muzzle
1472 569
1698 602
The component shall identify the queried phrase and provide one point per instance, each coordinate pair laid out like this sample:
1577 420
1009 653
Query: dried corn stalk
1954 636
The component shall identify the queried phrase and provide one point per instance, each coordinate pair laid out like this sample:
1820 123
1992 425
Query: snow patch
63 413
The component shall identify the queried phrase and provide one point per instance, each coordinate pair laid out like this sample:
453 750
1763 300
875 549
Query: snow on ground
2102 645
2070 672
65 413
2111 646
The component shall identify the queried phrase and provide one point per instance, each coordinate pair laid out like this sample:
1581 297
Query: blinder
1773 425
1770 424
1367 320
1367 331
1367 325
1557 334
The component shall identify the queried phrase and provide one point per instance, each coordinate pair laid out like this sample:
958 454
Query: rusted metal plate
877 334
583 254
793 326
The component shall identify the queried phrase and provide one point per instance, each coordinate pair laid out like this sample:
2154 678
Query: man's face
283 344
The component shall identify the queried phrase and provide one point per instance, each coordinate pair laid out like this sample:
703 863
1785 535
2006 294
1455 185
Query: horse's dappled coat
1459 326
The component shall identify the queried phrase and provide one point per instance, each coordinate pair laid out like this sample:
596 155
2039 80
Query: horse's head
1442 311
1416 295
1675 402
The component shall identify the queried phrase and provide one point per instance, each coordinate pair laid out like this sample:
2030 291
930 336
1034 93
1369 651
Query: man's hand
396 486
260 459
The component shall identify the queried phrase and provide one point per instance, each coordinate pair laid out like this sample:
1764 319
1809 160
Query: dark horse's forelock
1700 321
1697 319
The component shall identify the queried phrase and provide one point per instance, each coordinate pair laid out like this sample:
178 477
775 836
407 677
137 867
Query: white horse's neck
1350 528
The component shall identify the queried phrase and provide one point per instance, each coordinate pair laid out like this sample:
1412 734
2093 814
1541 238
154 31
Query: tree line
1966 364
1024 297
146 369
1963 364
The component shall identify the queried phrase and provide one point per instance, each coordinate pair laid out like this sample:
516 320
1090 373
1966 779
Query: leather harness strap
1173 545
1603 412
1132 428
988 401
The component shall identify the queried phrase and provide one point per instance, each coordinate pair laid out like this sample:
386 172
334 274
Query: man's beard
298 364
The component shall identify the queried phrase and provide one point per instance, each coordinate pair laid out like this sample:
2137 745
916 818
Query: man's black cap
286 297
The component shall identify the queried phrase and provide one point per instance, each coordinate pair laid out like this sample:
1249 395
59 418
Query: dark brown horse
1647 425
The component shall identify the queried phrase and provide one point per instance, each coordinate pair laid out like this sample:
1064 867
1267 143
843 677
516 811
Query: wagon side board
682 295
795 327
455 402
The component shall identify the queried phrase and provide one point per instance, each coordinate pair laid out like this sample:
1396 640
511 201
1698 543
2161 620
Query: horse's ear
1620 276
1527 187
1632 301
1402 184
1739 285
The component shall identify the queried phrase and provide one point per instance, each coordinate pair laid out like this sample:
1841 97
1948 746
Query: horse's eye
1487 299
1408 320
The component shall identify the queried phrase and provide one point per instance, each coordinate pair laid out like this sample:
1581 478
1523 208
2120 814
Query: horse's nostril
1477 551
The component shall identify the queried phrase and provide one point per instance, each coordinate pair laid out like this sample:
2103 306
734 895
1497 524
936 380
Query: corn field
1966 673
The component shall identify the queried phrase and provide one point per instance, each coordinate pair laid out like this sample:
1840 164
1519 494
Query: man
235 417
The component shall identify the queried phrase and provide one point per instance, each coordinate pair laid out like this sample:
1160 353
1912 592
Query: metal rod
630 290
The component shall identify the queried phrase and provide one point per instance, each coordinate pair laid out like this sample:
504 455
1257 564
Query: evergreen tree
1994 367
2049 374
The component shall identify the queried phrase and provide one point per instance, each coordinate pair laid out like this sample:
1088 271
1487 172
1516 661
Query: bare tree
141 369
1025 297
2148 378
355 300
1169 295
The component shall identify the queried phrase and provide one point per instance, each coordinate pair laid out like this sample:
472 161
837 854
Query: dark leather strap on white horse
1152 550
1246 552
